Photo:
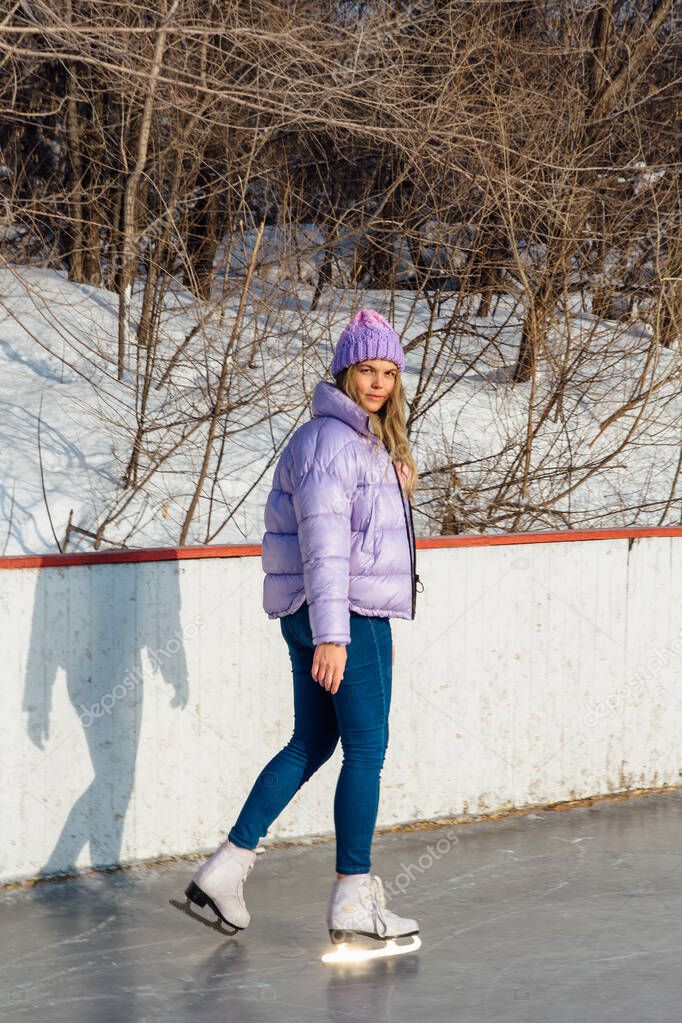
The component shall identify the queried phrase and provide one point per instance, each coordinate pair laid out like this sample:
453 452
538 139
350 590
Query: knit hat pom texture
368 336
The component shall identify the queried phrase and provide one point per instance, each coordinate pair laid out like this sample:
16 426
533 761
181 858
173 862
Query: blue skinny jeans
357 714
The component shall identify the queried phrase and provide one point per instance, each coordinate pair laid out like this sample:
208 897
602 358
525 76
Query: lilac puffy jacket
337 532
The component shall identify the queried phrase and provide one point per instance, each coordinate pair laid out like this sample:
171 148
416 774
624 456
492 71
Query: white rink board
532 673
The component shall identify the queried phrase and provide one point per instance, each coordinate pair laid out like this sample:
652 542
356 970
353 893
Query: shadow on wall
110 617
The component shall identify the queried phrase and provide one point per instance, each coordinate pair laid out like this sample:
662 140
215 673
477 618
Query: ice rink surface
545 917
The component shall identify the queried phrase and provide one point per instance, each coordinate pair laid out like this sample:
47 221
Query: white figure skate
218 884
357 906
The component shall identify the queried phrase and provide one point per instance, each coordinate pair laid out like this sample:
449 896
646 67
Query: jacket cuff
339 640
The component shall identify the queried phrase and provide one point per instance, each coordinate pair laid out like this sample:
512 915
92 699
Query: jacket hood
329 400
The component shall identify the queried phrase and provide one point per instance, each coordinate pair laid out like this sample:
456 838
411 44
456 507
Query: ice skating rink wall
142 692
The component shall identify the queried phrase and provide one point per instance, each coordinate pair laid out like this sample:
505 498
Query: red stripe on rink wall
252 550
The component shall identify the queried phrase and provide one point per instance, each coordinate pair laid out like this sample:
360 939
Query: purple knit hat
367 336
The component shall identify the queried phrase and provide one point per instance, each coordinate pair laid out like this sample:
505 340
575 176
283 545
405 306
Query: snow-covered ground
60 396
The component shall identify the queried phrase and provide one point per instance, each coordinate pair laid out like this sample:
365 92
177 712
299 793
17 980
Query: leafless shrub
510 168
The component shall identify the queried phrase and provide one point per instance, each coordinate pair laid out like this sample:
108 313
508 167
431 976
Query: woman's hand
329 661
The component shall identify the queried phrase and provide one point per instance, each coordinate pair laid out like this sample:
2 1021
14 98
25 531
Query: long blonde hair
388 424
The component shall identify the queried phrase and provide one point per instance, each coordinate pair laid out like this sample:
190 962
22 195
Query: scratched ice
553 917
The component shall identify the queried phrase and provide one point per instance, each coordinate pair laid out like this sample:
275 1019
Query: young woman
339 562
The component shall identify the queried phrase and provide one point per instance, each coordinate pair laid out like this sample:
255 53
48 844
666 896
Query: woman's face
374 379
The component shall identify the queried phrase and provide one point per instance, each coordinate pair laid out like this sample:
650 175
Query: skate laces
246 867
379 901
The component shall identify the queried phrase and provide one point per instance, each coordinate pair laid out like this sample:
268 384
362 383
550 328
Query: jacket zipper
417 580
411 543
